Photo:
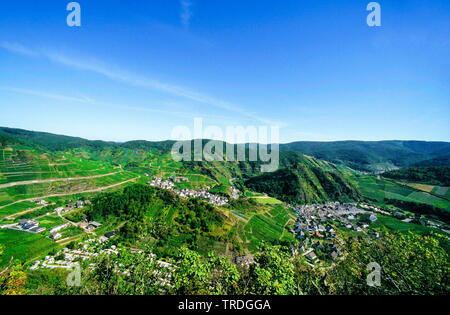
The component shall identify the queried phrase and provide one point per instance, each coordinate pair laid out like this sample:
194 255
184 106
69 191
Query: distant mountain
372 156
363 156
300 179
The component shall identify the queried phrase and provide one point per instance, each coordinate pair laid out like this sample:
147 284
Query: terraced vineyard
379 189
27 174
20 164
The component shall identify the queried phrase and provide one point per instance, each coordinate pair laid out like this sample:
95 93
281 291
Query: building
55 236
93 225
79 204
59 209
244 260
30 226
59 228
110 234
311 256
40 202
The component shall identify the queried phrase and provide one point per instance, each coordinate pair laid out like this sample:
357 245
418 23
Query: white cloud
145 82
18 49
87 100
133 79
53 96
186 12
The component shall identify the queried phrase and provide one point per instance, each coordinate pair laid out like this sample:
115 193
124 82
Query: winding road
30 182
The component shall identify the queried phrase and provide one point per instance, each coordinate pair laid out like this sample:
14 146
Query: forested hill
374 156
441 161
304 184
359 155
428 175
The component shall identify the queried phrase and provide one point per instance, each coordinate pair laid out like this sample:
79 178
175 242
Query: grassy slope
377 188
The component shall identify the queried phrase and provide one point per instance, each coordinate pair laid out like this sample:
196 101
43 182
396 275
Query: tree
12 278
273 273
410 264
198 275
125 273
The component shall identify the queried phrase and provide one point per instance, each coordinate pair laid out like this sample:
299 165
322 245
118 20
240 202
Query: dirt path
74 193
15 215
30 182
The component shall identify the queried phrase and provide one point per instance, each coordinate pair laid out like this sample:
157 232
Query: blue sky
136 69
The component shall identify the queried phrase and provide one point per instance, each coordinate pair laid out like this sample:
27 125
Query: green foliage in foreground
410 264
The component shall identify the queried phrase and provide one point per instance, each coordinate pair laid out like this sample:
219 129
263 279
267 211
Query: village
32 225
316 223
87 250
191 193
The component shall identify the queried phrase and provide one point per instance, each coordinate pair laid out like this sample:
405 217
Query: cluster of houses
91 248
161 183
68 259
189 193
234 193
202 194
314 226
54 235
373 208
244 261
313 218
71 206
181 179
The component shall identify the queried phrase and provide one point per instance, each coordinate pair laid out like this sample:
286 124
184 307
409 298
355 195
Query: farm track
31 182
18 214
74 193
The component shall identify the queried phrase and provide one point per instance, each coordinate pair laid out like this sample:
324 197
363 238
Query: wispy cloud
52 96
186 12
120 75
87 100
18 49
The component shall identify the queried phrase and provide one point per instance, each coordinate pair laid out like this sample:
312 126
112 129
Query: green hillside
441 161
64 169
439 176
372 156
305 183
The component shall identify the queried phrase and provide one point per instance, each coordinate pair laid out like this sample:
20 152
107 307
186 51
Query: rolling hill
373 157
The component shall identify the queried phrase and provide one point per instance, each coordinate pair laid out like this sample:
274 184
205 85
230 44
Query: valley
134 196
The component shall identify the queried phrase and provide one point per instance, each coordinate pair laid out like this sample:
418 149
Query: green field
270 226
20 163
23 246
16 208
50 221
267 200
380 189
404 227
